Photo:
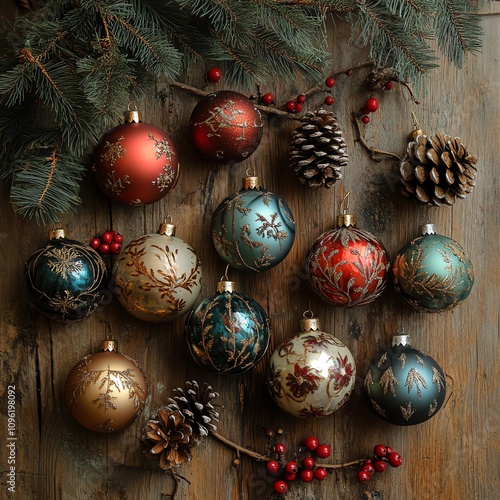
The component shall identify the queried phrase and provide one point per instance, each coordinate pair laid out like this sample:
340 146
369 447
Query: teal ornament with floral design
66 279
253 229
157 277
312 374
432 273
227 333
405 386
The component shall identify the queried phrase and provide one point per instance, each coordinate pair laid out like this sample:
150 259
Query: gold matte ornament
106 391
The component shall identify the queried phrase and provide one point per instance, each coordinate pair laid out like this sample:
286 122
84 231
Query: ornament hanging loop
416 127
344 204
225 277
308 314
250 172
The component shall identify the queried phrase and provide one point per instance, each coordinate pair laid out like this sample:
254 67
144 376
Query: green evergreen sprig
69 69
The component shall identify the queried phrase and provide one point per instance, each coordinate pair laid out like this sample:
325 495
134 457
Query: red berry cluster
383 455
371 106
304 469
109 242
295 106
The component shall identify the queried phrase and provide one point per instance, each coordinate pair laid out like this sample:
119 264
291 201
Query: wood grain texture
454 456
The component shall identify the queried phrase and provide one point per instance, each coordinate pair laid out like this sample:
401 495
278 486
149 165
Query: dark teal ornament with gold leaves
253 229
227 333
404 385
432 273
66 279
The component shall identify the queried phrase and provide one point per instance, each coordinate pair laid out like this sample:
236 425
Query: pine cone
318 150
170 438
196 405
437 169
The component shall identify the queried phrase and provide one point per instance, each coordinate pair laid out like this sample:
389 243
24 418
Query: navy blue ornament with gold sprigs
227 333
432 273
66 279
404 385
253 229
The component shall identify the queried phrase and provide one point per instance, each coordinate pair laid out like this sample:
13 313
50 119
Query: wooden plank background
454 456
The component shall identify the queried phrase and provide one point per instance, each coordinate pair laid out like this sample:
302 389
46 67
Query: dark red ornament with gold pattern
136 163
226 127
347 266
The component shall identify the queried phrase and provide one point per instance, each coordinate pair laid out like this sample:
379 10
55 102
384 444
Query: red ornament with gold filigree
226 127
347 266
136 163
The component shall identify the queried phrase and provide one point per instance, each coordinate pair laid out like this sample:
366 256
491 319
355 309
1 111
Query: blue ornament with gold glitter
405 385
253 229
66 279
432 273
227 333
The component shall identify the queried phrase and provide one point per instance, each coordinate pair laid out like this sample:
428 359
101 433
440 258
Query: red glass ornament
226 127
136 163
347 266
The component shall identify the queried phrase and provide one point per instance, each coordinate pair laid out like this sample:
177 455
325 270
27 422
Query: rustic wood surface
453 456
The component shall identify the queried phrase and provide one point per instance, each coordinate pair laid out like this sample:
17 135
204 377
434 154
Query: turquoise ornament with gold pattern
253 229
227 333
66 279
432 273
405 386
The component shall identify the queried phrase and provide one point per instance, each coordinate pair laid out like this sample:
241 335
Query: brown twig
368 147
266 458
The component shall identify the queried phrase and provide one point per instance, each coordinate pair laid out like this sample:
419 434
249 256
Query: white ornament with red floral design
312 374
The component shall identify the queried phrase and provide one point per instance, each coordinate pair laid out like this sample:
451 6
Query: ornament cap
428 229
251 182
132 116
400 340
109 345
346 220
167 229
309 324
226 286
55 234
416 128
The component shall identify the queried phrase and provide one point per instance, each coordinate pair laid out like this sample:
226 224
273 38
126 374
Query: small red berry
311 443
306 475
388 85
363 476
365 111
329 100
320 473
369 468
298 107
389 449
267 98
107 237
372 104
273 467
301 98
379 465
104 248
289 477
330 82
280 487
308 463
95 243
115 248
380 450
117 238
365 120
323 451
367 461
214 75
394 459
349 72
280 448
291 105
291 467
